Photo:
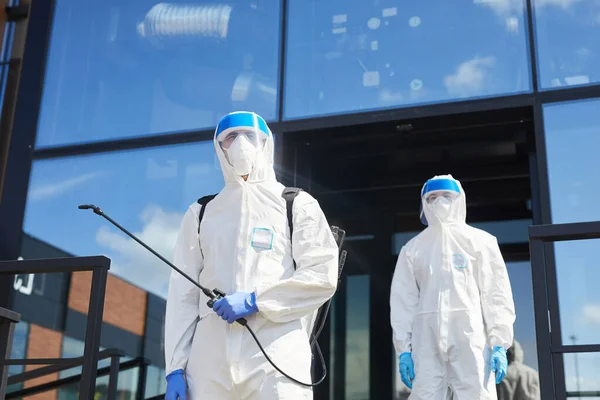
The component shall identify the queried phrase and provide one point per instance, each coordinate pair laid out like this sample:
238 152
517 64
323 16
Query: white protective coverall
451 302
221 360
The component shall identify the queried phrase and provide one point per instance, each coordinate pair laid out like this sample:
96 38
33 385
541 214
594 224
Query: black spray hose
214 296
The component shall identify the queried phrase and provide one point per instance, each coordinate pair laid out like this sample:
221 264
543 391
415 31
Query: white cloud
470 77
42 192
505 8
558 3
591 314
387 96
133 262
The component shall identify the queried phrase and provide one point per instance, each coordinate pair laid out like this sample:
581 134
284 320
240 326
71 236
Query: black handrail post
113 378
87 387
6 331
8 319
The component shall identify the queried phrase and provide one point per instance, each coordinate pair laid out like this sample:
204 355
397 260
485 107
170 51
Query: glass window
332 353
357 337
519 274
120 69
18 351
581 375
567 43
146 191
127 381
577 275
156 383
345 56
572 139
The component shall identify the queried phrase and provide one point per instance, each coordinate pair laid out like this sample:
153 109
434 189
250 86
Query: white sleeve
182 311
496 295
404 300
315 279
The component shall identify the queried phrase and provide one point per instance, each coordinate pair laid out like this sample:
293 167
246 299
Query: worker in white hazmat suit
452 311
244 249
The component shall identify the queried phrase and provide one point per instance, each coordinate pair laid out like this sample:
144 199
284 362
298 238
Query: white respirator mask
242 155
442 207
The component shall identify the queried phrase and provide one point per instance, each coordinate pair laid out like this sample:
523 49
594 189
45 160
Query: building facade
114 103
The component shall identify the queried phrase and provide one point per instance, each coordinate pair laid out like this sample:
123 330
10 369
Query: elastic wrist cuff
251 301
176 372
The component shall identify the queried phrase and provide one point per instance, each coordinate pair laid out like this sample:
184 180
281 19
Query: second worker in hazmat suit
521 382
243 247
452 311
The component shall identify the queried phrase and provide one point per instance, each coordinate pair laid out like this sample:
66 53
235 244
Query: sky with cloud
119 70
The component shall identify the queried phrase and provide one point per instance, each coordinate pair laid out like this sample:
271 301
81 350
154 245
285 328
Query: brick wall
43 343
124 304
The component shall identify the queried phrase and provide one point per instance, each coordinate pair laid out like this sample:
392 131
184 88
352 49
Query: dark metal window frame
29 100
282 126
547 316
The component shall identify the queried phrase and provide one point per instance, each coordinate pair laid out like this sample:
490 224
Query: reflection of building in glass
521 382
183 21
53 325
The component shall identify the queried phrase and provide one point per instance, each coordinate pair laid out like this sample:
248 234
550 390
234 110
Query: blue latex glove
407 369
499 363
235 306
176 386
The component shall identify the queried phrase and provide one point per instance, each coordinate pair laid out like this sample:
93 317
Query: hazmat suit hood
263 164
515 353
521 382
457 209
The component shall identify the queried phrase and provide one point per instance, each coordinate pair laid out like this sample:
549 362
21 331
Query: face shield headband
246 123
437 187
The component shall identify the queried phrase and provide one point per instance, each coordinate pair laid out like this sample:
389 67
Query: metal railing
99 266
111 371
8 319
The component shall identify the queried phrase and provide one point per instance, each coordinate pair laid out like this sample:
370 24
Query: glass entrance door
566 281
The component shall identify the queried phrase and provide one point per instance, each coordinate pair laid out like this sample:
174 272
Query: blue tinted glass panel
19 347
146 191
577 275
18 351
581 375
351 55
357 337
572 143
156 383
568 48
120 69
127 382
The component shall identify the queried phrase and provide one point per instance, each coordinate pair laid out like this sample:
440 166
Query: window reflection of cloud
591 314
470 77
41 191
134 263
